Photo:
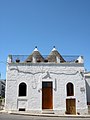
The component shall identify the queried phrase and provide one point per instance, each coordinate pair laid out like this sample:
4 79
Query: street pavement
6 116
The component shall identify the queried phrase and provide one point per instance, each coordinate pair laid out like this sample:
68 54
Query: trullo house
53 83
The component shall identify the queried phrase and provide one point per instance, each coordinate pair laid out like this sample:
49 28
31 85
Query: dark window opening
76 61
70 89
17 60
21 109
46 60
38 60
22 89
28 61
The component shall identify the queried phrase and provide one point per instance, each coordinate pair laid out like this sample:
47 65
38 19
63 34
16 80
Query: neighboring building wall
33 74
2 88
87 78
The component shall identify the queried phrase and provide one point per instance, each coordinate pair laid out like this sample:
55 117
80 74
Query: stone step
47 111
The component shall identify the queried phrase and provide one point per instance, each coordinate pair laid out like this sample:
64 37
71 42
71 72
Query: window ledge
22 98
70 97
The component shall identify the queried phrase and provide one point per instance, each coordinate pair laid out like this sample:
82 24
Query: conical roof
54 55
36 54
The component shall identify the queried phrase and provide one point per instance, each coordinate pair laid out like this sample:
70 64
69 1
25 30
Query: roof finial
53 48
35 48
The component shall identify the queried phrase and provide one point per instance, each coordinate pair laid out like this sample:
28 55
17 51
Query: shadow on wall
88 94
2 103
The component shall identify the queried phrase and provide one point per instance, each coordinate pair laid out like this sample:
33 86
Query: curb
45 115
51 115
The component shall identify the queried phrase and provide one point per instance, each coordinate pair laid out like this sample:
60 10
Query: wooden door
71 106
47 95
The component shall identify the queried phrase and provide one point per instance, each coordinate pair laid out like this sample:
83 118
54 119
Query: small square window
21 109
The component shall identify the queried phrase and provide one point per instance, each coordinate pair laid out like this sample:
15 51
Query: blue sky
25 24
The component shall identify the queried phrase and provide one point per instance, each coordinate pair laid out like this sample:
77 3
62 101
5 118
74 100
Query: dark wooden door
71 106
47 95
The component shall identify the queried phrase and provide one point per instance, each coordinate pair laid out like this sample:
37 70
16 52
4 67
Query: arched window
70 89
22 89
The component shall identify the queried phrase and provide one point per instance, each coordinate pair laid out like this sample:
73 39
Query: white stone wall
33 75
